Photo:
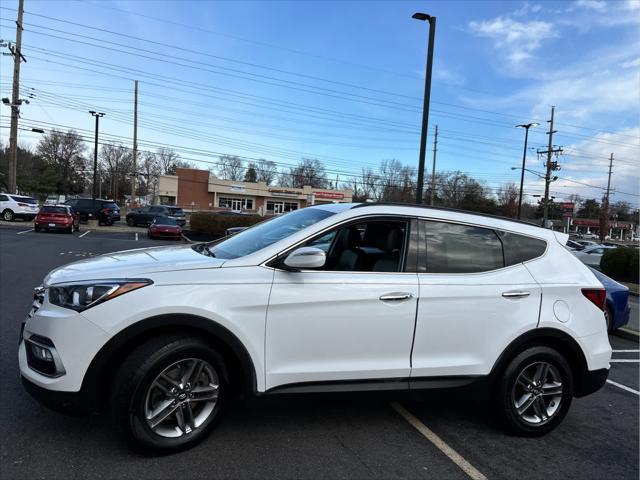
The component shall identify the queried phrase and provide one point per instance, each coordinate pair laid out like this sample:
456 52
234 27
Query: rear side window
29 200
520 248
3 198
84 204
456 248
111 205
175 211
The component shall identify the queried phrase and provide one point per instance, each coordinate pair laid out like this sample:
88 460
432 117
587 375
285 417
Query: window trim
423 248
409 220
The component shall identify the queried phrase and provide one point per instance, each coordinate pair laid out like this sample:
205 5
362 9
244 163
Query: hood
132 263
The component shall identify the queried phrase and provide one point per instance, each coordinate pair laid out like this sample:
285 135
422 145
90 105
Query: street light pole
95 153
427 97
524 161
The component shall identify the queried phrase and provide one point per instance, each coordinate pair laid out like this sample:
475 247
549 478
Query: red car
57 217
165 227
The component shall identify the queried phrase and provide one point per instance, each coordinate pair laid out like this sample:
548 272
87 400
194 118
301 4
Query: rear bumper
590 381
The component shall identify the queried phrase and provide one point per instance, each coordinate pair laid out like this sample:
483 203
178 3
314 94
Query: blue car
617 311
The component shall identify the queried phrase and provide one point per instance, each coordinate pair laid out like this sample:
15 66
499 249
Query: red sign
567 209
329 195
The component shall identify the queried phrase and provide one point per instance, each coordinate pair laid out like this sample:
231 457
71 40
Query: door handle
395 297
516 294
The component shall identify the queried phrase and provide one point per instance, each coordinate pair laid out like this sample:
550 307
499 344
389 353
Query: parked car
321 299
145 215
587 243
588 235
105 211
574 245
617 309
18 206
57 217
165 227
592 255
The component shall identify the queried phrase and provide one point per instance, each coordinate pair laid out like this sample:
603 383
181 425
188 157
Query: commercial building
194 189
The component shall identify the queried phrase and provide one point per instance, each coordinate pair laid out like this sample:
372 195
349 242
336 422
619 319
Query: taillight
598 296
105 210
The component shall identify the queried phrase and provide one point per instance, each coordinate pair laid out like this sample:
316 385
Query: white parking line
626 360
84 234
626 351
454 456
26 231
136 236
624 387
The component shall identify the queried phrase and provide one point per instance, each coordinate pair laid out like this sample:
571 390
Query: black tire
131 222
135 377
36 228
69 230
507 391
8 215
608 316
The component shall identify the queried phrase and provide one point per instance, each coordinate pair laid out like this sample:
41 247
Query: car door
348 321
475 297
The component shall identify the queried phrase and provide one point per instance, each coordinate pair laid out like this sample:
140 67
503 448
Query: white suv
329 298
18 206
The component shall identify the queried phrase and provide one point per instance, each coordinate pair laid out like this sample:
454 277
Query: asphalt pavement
312 438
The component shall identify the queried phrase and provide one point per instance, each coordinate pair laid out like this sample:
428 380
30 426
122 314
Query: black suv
105 211
145 215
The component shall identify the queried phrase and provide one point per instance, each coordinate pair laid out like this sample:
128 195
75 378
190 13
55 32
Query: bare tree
508 200
117 159
266 171
149 170
396 181
64 151
231 168
167 160
309 171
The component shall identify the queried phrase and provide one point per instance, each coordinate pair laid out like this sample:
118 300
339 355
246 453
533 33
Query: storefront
199 190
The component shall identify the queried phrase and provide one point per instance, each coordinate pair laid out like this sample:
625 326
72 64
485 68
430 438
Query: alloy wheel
537 393
181 398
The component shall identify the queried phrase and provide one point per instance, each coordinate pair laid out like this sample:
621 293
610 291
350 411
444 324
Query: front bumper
70 403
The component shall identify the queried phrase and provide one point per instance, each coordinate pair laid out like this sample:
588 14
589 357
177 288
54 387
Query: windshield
164 221
267 233
175 211
47 209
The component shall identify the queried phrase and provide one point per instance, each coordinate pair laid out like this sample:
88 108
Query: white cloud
631 63
446 75
517 40
594 5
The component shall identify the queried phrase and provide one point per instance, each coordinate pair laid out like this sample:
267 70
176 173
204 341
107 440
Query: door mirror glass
306 257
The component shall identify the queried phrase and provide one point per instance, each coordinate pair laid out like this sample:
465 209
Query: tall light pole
95 153
427 97
524 161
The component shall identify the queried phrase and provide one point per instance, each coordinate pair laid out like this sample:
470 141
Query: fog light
41 353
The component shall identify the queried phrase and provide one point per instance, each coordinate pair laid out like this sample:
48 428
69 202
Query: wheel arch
560 341
102 369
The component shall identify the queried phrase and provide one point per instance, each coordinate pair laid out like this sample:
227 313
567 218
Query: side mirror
306 257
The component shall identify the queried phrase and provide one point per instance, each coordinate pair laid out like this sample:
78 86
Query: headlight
83 295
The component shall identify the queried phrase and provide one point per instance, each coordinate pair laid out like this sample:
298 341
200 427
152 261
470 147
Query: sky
343 82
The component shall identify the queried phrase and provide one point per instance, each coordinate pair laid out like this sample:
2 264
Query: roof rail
445 209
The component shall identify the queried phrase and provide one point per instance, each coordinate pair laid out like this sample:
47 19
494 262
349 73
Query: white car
592 255
18 206
331 298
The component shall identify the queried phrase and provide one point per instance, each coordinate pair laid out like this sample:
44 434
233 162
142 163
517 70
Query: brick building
199 190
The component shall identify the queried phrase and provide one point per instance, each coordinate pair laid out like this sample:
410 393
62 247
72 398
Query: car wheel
169 393
535 391
608 316
36 228
131 222
8 215
69 230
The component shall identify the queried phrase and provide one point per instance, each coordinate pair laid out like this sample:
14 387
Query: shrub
621 263
215 224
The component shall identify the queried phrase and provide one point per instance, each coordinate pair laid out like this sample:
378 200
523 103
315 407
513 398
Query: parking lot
317 438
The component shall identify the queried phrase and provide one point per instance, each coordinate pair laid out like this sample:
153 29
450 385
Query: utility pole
604 216
132 203
16 51
550 166
427 97
95 153
526 126
433 169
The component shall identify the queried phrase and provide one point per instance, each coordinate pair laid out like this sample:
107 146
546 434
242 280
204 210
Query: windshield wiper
203 249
